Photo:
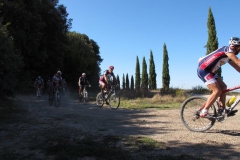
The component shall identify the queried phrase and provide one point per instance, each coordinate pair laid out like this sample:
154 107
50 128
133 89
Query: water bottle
231 101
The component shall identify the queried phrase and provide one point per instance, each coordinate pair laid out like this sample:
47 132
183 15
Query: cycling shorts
206 76
101 82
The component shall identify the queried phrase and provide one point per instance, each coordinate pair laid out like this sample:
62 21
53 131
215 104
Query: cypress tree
165 71
127 81
152 73
212 43
137 75
123 82
144 83
118 82
132 82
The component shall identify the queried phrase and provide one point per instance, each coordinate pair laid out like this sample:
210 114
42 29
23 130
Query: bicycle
84 95
56 97
63 90
38 93
111 97
191 109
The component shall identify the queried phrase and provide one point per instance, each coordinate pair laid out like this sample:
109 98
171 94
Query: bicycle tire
99 100
80 98
38 95
114 101
190 115
50 101
57 100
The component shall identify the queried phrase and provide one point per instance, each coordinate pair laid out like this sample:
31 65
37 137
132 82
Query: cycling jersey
56 80
39 81
82 81
208 65
49 83
108 74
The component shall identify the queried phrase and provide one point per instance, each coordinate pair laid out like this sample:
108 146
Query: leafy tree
132 83
38 29
152 73
123 82
212 43
83 56
127 81
165 71
10 63
144 83
137 75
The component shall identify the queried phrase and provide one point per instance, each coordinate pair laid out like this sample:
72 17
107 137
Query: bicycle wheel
57 100
50 100
114 101
80 97
38 94
99 100
190 114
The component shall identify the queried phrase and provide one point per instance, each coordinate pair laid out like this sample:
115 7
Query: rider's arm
105 78
235 63
79 81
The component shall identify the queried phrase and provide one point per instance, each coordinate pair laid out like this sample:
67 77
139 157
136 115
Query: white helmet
234 41
59 73
83 74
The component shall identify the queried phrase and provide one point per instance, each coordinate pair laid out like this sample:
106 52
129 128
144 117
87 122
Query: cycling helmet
59 73
234 41
111 67
83 74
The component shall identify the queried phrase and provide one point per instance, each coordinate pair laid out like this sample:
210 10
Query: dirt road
220 142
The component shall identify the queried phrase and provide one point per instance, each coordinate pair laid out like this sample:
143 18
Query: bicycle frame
84 94
192 106
232 106
112 99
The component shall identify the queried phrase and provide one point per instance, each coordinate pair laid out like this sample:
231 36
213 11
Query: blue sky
125 29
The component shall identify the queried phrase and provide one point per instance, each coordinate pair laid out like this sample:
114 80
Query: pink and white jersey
213 61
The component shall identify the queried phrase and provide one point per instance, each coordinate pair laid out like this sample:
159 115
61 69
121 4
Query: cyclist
39 83
81 82
64 83
104 79
49 84
56 81
207 67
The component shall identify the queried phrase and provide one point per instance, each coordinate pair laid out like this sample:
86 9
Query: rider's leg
222 97
80 89
216 92
41 90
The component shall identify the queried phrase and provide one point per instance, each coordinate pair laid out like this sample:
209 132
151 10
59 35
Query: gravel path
220 142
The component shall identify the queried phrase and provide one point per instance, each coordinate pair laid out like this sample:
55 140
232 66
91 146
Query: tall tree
123 82
152 73
137 75
165 71
118 80
10 63
83 56
132 83
127 82
212 43
144 83
38 29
